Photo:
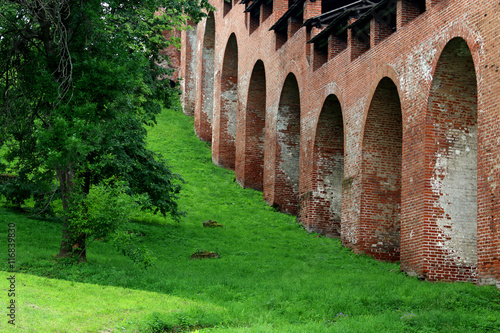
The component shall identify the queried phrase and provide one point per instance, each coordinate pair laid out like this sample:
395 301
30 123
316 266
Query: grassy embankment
272 276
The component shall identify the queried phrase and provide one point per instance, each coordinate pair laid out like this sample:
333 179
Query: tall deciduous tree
79 80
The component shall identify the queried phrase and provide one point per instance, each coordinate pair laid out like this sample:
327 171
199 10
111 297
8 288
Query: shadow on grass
271 275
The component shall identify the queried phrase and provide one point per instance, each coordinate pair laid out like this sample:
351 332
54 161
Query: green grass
272 276
51 305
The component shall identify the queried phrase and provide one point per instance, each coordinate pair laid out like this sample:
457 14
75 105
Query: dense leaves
79 80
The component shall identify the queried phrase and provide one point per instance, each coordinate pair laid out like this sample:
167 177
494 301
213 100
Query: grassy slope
272 275
51 305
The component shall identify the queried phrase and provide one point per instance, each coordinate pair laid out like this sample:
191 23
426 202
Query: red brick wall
321 207
442 66
173 54
223 144
288 148
380 214
204 104
188 71
250 163
451 138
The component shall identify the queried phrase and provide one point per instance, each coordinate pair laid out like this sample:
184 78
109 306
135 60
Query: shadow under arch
451 153
321 209
189 82
204 114
250 161
228 105
287 170
380 212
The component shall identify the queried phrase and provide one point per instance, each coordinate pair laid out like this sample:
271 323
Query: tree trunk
71 245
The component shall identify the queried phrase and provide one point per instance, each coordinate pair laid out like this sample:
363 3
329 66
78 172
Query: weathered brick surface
204 103
381 175
251 125
188 71
173 53
390 140
224 134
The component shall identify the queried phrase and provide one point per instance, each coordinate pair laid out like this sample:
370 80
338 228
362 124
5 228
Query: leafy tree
79 81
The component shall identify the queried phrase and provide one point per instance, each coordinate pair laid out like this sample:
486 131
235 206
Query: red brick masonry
384 130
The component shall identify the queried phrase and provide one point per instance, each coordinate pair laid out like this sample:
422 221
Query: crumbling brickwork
376 122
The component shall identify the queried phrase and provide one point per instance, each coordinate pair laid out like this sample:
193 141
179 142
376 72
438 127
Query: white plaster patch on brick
353 136
289 147
418 69
190 93
308 127
213 116
455 181
198 46
272 115
229 107
389 212
330 89
330 188
202 26
495 171
391 181
191 36
351 211
244 80
208 83
186 93
349 233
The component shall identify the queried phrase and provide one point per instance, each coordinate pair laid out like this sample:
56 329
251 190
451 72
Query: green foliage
128 243
80 80
180 322
100 213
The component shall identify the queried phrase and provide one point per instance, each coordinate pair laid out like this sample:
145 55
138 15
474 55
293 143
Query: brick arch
380 212
321 206
287 151
224 144
462 31
451 155
307 161
204 112
250 160
189 69
330 90
385 72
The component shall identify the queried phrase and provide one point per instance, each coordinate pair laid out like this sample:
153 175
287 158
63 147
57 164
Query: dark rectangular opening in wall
337 44
360 40
387 16
420 4
295 22
384 23
254 20
410 10
320 56
267 9
281 37
228 4
380 31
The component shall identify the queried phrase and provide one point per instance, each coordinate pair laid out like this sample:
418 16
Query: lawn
271 275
